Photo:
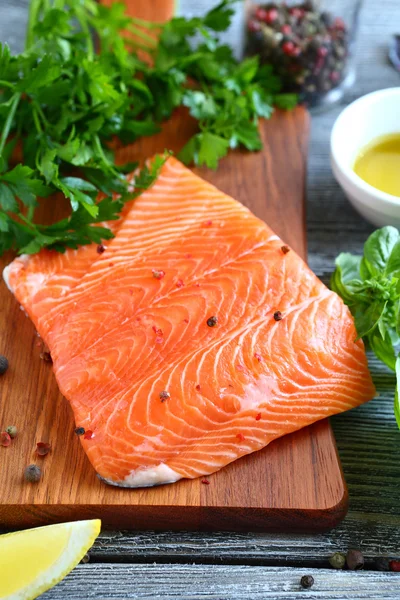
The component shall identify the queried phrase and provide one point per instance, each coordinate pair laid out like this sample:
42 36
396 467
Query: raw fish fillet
162 391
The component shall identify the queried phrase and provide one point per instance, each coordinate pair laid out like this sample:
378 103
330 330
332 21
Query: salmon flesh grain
194 338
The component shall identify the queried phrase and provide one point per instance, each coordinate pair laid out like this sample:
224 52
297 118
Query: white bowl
367 118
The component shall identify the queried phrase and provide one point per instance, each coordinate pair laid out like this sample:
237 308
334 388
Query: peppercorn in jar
309 46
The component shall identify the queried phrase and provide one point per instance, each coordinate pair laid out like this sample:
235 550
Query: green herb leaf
397 393
370 286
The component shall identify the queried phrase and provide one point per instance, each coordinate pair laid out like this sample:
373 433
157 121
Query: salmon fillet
194 339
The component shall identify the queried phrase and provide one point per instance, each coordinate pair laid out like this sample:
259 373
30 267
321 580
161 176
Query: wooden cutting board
296 483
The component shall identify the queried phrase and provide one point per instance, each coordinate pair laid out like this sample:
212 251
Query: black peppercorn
32 473
3 364
382 563
354 560
278 315
337 560
80 431
307 581
212 321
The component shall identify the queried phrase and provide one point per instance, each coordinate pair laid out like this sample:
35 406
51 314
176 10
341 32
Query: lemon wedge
33 561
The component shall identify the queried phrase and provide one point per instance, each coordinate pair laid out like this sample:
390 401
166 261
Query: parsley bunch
62 102
370 286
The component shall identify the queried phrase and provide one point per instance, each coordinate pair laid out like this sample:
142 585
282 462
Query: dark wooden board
294 484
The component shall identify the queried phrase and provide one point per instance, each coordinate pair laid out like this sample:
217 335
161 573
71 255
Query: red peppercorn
258 356
272 15
290 49
5 439
286 29
43 448
205 481
88 435
158 273
297 13
253 26
339 24
198 388
258 417
179 283
207 223
261 14
395 565
240 437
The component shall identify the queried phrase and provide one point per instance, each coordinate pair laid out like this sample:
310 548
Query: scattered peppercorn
88 435
278 315
285 249
5 439
212 321
164 395
80 431
258 356
43 448
32 474
3 364
85 559
12 431
354 560
46 356
258 417
307 581
205 481
198 387
100 249
179 283
337 560
158 273
395 565
308 47
382 563
240 437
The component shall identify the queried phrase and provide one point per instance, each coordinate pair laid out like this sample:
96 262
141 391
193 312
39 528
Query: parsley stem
33 18
9 121
36 119
147 24
136 31
6 84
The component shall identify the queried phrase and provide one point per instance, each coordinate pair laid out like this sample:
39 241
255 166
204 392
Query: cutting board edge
162 518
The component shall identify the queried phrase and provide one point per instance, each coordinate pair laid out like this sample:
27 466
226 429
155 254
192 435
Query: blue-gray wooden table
227 566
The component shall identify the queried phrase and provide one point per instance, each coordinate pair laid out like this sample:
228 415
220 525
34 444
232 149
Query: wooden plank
294 483
374 535
215 582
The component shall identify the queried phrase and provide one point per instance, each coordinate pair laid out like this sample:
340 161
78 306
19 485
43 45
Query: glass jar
310 44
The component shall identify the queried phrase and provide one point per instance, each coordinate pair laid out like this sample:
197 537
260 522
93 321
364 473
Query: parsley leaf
62 103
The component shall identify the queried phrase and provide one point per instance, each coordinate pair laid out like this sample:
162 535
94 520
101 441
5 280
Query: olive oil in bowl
378 164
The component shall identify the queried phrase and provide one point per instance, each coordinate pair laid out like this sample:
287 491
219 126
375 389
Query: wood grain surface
295 483
221 582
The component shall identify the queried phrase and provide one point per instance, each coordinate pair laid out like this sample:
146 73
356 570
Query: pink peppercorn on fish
195 338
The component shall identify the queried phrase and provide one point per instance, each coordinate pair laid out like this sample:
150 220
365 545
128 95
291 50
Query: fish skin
119 337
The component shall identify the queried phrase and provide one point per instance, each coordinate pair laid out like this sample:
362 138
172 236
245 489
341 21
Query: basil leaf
397 393
368 320
383 349
378 248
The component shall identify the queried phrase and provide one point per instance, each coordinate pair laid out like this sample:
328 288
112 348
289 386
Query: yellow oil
379 164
